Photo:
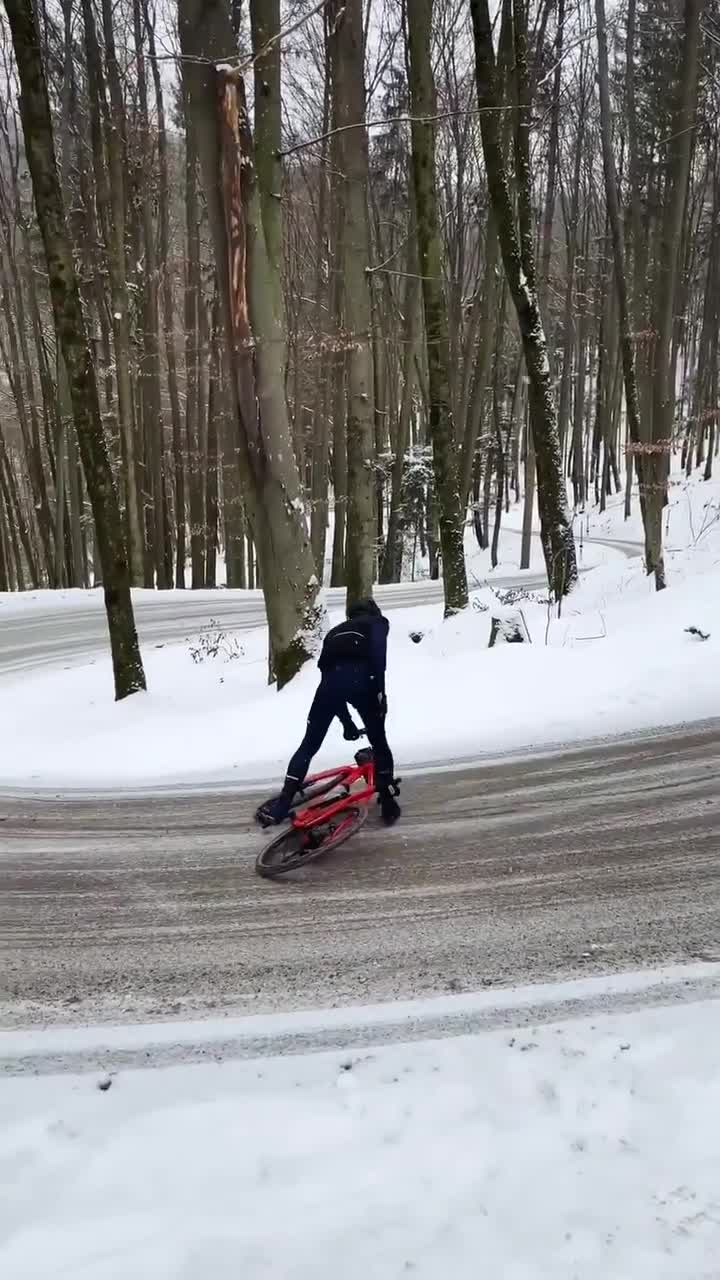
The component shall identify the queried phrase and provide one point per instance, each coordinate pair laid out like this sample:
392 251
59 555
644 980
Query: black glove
382 704
351 733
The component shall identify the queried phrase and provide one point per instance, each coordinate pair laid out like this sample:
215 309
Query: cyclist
352 665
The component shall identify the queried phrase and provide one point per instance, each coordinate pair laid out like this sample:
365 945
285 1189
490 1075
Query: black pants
349 683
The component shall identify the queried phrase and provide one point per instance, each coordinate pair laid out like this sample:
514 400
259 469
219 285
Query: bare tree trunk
193 355
442 428
19 529
94 197
348 73
528 499
319 480
79 576
499 446
391 567
27 418
4 554
488 309
657 452
704 404
115 216
110 198
632 401
216 398
72 338
571 236
518 252
216 98
149 361
168 308
338 361
553 149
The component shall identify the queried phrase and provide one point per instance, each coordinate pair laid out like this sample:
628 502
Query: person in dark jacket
352 666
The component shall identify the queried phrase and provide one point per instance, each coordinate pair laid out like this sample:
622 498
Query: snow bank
580 1149
619 658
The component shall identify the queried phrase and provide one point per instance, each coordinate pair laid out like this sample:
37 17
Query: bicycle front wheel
296 847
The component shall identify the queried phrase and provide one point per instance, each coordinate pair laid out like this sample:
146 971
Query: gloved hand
382 704
351 733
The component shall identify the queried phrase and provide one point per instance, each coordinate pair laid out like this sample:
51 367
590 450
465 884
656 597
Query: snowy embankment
584 1148
618 659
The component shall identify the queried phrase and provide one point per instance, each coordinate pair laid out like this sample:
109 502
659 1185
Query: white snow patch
576 1149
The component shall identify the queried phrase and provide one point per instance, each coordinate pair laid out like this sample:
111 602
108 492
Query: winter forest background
297 292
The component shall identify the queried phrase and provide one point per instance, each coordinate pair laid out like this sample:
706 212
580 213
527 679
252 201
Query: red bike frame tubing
341 772
320 811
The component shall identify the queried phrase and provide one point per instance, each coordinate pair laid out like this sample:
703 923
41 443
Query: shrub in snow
213 643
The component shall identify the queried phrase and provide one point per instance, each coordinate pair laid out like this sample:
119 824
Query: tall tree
111 196
679 149
440 408
320 452
252 320
148 374
168 303
348 87
73 342
613 207
517 244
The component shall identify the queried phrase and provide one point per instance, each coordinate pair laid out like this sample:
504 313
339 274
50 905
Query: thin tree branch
403 119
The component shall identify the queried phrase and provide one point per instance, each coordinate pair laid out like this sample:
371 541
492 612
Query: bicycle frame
318 811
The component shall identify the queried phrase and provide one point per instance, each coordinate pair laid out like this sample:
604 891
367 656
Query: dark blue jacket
362 639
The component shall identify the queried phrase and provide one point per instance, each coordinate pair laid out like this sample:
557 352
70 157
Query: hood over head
367 607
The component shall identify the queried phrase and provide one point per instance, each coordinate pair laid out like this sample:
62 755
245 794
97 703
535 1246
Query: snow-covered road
136 909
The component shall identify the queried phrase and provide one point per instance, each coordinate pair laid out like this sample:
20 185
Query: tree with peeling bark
252 317
517 245
440 409
73 342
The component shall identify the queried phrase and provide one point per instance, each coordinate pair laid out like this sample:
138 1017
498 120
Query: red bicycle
329 808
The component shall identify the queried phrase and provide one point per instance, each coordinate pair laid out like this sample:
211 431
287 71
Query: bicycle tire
273 862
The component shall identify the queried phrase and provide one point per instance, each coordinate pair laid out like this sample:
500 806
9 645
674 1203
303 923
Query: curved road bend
55 633
48 634
591 860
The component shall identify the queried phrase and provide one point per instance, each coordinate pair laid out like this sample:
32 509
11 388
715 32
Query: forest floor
618 658
576 1144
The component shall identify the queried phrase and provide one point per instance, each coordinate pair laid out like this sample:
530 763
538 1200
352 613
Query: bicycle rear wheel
296 847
